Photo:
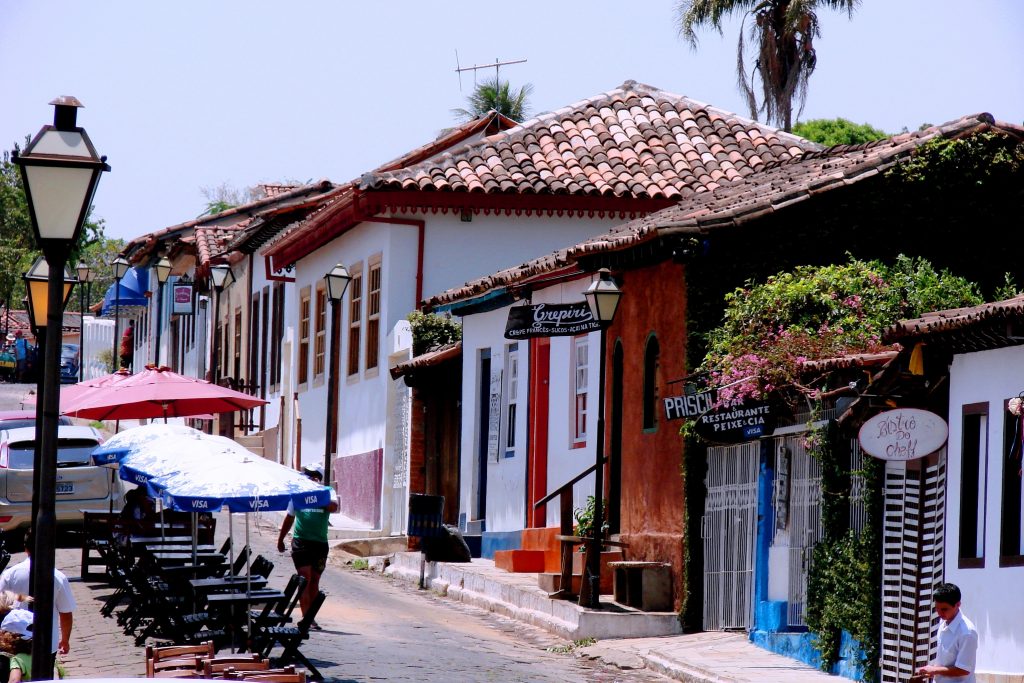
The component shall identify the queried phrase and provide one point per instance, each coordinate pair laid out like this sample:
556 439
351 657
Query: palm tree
497 95
784 31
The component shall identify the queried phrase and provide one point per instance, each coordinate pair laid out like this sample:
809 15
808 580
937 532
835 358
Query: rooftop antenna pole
476 67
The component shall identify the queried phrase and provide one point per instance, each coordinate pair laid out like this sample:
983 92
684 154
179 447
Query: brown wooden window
1011 544
355 317
581 382
264 328
304 314
652 359
320 340
276 334
255 350
973 463
238 344
373 314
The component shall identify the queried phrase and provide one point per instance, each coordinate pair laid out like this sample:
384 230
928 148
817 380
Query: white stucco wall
506 479
992 596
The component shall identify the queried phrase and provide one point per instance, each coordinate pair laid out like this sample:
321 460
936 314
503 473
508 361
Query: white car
80 484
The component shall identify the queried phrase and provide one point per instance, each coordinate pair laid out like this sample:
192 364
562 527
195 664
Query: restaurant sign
181 298
736 423
550 320
903 434
688 405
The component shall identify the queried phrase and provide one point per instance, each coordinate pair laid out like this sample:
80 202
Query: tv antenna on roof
496 66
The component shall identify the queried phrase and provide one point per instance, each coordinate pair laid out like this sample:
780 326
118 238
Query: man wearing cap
17 578
309 540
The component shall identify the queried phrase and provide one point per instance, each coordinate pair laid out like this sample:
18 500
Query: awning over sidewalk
133 288
427 360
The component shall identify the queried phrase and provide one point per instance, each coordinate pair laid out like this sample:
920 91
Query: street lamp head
163 269
337 282
84 272
222 276
60 170
36 284
603 297
120 266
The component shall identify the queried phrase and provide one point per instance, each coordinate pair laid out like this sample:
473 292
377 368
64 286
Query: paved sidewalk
705 658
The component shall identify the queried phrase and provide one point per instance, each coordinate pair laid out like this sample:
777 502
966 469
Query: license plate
65 488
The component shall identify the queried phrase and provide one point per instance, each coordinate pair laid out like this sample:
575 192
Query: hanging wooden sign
550 320
736 423
903 434
688 405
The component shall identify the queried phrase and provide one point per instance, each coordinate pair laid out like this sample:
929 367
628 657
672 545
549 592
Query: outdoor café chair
176 657
285 675
279 613
290 638
239 566
212 668
261 566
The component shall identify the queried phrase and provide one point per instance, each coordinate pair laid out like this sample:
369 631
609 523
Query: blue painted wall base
492 541
771 618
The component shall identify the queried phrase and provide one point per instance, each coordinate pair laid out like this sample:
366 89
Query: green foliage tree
831 132
430 331
784 31
225 196
772 328
499 96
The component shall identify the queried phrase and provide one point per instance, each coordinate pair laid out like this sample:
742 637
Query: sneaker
313 626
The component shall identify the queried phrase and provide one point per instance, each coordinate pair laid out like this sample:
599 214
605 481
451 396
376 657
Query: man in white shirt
17 578
958 640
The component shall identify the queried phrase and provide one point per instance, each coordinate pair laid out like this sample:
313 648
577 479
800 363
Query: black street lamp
163 271
222 277
337 282
84 275
603 299
120 267
60 170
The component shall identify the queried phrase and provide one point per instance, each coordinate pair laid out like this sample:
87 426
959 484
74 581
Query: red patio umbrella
158 392
71 393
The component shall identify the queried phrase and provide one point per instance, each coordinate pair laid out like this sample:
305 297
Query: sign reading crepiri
903 434
550 320
736 423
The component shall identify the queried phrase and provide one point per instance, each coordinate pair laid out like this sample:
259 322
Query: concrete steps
252 443
518 596
539 553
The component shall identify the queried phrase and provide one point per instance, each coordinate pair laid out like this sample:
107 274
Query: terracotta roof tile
774 186
955 319
607 145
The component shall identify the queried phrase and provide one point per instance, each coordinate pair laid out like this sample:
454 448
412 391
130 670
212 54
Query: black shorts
309 554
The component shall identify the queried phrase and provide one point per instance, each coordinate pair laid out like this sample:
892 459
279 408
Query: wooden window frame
320 335
355 322
512 379
374 268
237 346
305 315
255 349
276 335
649 398
1011 502
981 484
580 395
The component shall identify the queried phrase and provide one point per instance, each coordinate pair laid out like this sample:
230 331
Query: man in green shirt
309 541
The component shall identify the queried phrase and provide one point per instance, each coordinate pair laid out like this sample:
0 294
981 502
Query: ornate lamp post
222 277
84 274
337 282
120 266
60 170
163 271
603 299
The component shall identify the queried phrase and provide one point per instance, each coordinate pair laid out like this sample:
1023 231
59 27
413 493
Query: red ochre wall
358 480
653 301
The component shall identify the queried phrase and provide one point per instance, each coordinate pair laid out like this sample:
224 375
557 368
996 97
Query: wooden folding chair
291 637
176 657
211 668
285 675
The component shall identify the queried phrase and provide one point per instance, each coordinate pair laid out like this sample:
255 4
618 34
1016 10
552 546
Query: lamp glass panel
163 270
68 143
337 283
57 197
84 272
37 295
606 303
120 267
219 275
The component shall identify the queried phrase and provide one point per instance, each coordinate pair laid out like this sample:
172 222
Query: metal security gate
804 519
728 528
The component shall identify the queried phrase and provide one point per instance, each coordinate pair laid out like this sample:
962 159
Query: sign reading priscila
689 405
903 434
736 423
550 320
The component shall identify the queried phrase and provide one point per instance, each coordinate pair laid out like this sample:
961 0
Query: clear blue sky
186 94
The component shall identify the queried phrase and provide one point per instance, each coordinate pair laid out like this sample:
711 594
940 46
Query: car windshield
16 424
69 349
70 452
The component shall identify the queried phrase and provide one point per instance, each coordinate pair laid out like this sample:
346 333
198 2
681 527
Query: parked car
13 419
80 484
69 361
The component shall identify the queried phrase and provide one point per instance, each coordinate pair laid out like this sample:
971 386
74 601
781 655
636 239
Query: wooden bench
646 586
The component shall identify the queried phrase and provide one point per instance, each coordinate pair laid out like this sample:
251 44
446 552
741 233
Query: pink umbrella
158 392
70 393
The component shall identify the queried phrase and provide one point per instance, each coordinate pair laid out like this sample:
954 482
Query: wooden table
233 608
201 557
195 571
